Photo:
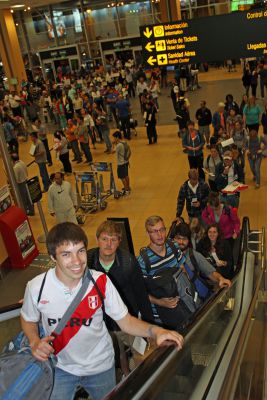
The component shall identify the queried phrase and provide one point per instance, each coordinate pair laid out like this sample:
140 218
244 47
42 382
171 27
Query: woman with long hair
217 251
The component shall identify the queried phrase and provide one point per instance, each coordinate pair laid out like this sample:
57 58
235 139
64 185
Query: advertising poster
5 199
25 239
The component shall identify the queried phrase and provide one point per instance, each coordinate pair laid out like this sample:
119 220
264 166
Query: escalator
210 364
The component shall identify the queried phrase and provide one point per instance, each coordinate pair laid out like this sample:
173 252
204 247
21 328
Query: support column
10 49
170 10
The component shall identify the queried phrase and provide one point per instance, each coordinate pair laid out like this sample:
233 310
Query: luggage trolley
100 167
87 193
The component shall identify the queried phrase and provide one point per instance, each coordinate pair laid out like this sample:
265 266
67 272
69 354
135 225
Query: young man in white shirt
84 348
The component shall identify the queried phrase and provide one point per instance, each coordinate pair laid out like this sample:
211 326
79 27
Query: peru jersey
84 347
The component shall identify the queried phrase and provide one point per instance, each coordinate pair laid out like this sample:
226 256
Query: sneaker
257 186
74 159
79 161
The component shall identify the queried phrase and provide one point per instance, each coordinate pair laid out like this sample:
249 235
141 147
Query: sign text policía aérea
235 35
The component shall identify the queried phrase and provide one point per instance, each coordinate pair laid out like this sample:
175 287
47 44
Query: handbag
22 376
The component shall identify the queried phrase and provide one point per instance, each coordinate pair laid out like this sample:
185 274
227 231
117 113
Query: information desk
230 36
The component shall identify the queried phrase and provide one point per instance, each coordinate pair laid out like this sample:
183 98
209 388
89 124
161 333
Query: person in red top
224 215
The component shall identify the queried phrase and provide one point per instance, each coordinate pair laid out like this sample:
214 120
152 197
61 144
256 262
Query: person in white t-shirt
84 348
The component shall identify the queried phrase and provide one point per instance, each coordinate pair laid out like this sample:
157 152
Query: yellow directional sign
149 47
148 32
158 30
151 60
160 45
162 59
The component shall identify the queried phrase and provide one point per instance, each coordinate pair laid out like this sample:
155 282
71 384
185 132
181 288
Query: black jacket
225 253
125 274
203 116
221 180
186 195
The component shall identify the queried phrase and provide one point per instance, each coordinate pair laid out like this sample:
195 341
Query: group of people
171 278
121 288
235 134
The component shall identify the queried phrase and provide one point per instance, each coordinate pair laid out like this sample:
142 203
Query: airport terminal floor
156 172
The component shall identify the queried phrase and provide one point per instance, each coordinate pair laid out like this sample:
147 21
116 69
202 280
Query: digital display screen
230 36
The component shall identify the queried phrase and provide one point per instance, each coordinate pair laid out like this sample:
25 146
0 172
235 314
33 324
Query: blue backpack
22 377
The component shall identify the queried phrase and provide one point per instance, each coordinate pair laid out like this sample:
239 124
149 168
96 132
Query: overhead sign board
235 35
58 53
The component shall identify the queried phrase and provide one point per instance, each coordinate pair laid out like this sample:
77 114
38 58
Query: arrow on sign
150 46
147 32
151 60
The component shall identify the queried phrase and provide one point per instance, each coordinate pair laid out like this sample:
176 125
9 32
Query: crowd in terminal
175 274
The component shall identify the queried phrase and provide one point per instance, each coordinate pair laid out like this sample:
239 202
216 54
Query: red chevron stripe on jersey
85 310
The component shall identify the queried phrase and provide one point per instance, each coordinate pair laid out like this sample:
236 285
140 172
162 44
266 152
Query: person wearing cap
226 173
219 118
195 193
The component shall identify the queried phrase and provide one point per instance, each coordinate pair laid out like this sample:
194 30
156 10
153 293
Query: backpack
22 377
171 282
127 152
195 277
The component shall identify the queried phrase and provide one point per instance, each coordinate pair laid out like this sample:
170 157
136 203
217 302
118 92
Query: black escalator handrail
155 361
228 383
10 307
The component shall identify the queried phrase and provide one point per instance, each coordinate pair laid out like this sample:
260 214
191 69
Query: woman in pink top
225 216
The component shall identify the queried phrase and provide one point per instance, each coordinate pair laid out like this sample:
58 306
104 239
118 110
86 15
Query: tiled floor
156 172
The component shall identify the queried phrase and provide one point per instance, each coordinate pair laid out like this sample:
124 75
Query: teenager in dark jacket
122 269
194 193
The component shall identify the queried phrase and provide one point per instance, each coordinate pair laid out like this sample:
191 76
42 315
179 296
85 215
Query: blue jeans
44 175
105 136
255 166
66 384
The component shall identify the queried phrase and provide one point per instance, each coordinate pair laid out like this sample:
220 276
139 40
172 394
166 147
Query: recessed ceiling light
18 6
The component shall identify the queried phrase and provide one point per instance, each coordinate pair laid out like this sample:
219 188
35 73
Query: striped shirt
158 263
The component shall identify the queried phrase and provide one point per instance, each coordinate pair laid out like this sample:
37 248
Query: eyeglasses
154 231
